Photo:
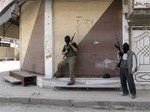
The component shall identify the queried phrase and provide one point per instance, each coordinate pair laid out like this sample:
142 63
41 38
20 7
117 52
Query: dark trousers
125 78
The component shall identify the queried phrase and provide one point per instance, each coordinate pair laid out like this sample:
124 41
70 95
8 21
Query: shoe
59 76
70 83
133 96
125 94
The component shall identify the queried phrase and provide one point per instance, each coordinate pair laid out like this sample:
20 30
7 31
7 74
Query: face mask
67 39
125 48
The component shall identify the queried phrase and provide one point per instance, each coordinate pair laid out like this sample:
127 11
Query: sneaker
125 94
133 96
70 83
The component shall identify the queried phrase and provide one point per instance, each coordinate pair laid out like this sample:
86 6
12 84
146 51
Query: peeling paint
96 42
106 64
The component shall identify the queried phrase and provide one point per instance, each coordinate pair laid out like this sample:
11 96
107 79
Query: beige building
43 24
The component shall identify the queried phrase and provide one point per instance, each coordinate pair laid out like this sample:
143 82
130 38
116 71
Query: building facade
97 25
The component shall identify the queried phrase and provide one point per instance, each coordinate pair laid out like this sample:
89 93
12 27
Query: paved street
35 99
15 107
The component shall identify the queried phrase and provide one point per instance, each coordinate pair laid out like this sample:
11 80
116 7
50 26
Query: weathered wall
95 22
32 36
68 17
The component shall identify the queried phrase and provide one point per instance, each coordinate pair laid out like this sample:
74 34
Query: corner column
48 39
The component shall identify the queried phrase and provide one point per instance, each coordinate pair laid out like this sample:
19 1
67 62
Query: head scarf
125 47
67 39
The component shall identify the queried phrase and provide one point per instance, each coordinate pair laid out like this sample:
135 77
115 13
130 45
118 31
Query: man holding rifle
128 67
69 51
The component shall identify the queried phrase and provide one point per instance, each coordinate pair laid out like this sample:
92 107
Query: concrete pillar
48 39
125 28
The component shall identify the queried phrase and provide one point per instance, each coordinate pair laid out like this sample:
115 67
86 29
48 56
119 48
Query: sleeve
134 62
75 45
63 49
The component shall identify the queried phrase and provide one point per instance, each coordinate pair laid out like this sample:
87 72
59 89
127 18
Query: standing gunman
69 51
128 67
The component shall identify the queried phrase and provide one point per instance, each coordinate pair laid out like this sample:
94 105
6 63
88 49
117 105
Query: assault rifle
70 41
120 51
72 37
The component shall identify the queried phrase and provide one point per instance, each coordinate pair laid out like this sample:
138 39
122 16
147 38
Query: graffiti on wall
144 4
83 26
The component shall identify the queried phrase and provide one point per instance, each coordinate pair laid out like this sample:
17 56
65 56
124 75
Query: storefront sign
4 3
141 4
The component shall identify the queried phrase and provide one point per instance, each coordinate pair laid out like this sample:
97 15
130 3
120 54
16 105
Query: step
89 86
11 80
25 77
86 83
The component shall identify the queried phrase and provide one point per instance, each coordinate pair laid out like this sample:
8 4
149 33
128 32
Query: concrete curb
77 103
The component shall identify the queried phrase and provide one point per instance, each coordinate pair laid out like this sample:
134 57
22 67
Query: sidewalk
98 98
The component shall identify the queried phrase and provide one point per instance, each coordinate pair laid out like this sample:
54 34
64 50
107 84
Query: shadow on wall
97 54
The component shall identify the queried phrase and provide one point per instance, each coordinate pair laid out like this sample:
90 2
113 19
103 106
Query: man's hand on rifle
74 48
64 53
120 53
70 43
